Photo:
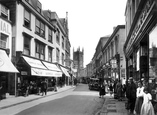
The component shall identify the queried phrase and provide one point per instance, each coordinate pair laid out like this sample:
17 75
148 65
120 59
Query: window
50 39
40 50
62 42
40 28
26 45
39 7
49 15
50 54
4 12
57 55
57 36
62 59
3 40
27 19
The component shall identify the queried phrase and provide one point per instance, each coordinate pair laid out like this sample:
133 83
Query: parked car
93 84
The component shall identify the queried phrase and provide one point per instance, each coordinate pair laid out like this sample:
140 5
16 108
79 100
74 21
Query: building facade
113 55
140 46
7 67
40 43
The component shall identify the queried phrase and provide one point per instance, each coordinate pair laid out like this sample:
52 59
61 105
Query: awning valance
54 68
39 69
65 71
5 63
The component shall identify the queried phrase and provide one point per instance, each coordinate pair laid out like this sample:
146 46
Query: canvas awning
53 67
37 68
5 63
65 71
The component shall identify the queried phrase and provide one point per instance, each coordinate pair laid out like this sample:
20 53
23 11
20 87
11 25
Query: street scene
85 57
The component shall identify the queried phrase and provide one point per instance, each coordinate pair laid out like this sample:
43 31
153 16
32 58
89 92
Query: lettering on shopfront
1 62
5 27
140 22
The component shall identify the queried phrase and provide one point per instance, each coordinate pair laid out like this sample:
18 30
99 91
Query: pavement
111 106
13 101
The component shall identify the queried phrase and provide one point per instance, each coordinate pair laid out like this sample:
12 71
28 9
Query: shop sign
5 27
122 72
140 22
1 62
24 73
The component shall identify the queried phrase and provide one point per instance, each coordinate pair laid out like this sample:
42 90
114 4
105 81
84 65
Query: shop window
40 50
26 45
153 62
3 40
27 19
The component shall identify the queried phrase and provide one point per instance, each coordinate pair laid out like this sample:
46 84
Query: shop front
140 50
66 75
33 71
7 70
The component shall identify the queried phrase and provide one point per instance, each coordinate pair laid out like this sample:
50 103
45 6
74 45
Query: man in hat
132 96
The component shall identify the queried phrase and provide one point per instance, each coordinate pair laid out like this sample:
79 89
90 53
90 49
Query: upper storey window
27 19
58 37
4 12
40 28
39 7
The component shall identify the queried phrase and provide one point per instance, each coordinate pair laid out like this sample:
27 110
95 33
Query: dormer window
39 7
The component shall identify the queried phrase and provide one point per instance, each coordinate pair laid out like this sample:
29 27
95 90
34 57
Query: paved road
80 101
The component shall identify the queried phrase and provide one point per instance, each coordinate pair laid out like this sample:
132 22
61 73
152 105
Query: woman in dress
139 98
147 107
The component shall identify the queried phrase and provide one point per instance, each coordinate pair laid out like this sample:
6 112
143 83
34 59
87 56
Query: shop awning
65 71
53 67
5 63
38 69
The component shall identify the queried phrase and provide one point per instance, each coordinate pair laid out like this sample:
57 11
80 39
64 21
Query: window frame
50 53
40 28
27 20
39 50
50 35
29 46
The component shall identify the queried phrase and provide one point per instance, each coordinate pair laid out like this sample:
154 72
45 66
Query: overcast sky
88 20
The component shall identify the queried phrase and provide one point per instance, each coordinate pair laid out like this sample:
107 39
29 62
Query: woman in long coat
101 90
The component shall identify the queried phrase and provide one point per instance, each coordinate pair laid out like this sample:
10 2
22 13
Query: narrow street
78 101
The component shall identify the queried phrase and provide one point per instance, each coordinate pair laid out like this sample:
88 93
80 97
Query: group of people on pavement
139 98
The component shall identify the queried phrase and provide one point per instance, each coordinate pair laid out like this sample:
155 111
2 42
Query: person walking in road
111 89
101 90
119 89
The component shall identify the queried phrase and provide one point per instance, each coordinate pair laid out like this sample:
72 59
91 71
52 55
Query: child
147 107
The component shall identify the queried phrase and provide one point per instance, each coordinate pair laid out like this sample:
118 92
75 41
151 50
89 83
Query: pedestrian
44 87
128 95
111 89
147 107
119 89
132 95
101 90
139 98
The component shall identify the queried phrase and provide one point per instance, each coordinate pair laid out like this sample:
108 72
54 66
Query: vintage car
93 84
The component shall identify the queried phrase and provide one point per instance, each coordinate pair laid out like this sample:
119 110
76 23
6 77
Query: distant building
78 58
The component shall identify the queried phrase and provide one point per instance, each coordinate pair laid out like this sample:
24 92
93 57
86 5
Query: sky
88 21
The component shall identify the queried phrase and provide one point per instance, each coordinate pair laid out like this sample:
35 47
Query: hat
130 78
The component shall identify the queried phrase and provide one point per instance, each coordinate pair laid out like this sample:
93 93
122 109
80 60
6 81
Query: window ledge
27 27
